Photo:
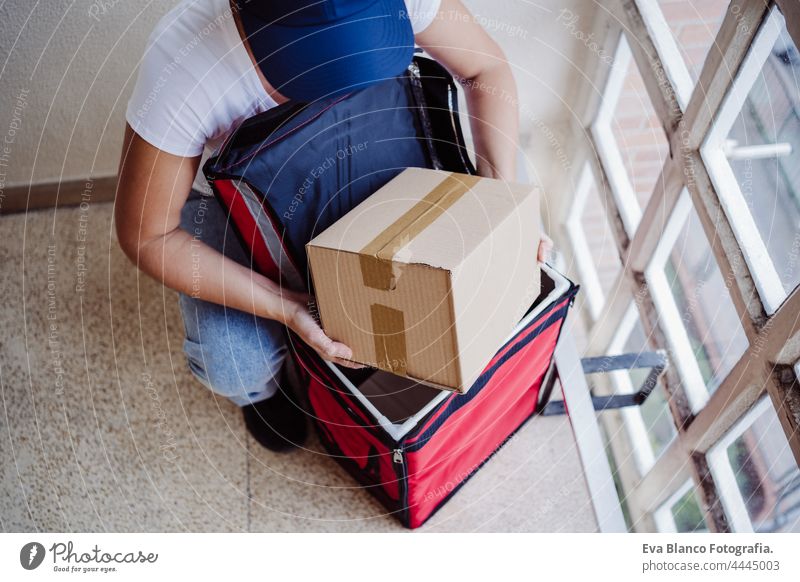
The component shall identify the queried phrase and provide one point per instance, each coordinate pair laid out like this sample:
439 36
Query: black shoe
278 423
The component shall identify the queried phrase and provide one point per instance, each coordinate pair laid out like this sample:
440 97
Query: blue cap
311 50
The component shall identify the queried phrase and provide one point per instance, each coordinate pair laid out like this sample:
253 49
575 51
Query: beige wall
67 71
68 68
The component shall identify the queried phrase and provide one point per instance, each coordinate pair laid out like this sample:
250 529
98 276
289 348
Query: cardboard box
428 276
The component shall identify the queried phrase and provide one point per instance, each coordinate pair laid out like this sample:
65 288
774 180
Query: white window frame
675 331
590 279
607 148
665 521
721 467
755 251
642 234
632 418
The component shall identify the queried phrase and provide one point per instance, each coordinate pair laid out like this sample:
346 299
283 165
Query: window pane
615 471
767 475
577 326
600 240
687 514
639 135
704 305
695 24
655 410
763 149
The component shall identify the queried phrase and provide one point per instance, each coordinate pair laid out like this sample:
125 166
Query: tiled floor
103 428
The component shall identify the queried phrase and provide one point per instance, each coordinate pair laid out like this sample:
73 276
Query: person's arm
465 49
153 187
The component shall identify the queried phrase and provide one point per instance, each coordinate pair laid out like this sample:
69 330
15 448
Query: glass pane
767 475
577 326
687 514
600 240
655 410
695 24
704 305
639 135
763 149
615 472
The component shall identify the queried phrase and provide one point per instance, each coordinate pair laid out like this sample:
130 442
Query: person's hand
300 321
545 249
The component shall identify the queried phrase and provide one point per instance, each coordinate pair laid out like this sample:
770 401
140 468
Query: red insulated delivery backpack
286 175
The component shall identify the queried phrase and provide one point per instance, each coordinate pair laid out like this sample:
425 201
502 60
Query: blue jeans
235 354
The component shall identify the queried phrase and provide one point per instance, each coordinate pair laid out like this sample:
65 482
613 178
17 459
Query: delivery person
210 64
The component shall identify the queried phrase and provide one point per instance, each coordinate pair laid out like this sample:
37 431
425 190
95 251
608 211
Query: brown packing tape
376 257
388 333
388 325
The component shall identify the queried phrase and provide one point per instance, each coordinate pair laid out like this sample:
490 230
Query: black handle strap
656 361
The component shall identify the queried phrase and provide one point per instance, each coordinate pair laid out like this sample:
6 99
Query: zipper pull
397 457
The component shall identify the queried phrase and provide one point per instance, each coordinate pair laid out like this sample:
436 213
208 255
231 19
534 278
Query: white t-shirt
196 81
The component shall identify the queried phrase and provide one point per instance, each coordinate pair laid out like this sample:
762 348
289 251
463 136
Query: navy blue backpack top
303 166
